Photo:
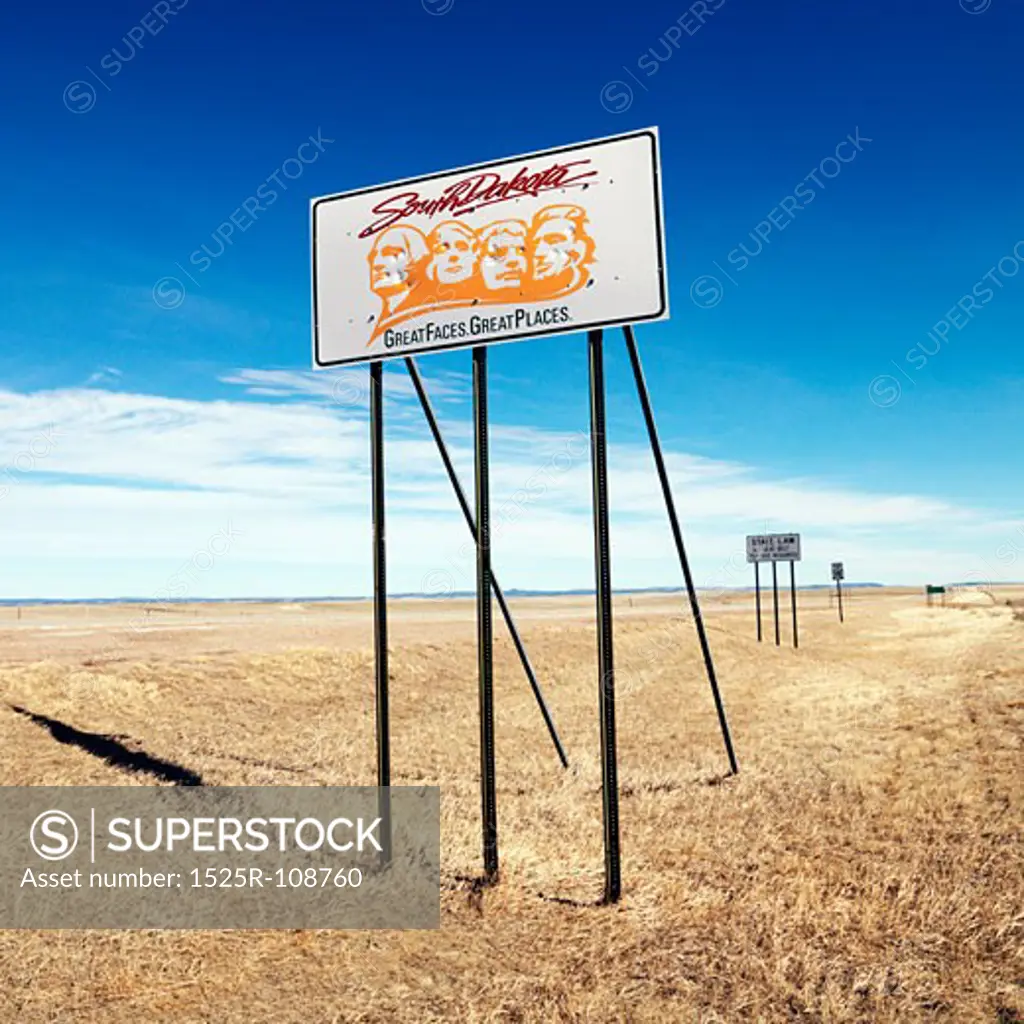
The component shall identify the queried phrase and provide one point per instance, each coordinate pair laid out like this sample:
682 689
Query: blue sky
799 384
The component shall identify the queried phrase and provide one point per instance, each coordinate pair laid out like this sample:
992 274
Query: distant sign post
792 594
757 597
775 599
839 574
775 548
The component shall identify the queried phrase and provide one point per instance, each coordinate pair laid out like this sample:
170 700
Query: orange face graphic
504 262
395 262
559 242
453 253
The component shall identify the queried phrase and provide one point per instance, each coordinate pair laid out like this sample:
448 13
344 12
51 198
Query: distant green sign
934 590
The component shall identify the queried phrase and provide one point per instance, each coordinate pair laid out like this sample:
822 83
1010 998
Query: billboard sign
838 573
774 547
557 241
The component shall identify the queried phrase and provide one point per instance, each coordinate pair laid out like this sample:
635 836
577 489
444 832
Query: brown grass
866 864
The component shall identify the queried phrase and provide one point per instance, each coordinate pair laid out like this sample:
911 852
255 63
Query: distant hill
11 602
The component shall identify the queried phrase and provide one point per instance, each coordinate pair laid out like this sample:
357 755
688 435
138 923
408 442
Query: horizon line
463 594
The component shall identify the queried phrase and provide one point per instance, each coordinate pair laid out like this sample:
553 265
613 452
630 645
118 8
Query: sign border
651 133
767 561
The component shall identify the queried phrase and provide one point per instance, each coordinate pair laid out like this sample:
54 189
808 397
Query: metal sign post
838 574
775 548
677 535
757 597
467 513
380 607
775 599
485 632
792 590
554 242
605 655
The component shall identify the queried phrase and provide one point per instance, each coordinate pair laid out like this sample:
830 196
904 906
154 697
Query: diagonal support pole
677 535
467 512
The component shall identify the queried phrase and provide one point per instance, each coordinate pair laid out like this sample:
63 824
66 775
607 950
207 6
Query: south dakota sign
562 240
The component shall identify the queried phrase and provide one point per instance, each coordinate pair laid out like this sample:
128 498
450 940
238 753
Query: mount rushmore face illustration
455 266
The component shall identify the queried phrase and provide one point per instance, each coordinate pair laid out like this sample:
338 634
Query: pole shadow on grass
115 753
564 901
475 886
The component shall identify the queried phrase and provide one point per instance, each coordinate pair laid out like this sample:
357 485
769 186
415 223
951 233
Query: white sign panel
838 573
774 547
562 240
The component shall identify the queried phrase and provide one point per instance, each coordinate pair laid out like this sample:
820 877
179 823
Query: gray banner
219 857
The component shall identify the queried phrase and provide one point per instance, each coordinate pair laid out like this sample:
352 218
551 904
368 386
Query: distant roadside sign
774 547
838 574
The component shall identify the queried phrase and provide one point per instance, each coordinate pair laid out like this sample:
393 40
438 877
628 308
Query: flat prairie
866 863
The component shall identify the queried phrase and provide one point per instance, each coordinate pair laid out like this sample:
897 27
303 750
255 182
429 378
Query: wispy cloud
140 479
103 375
347 387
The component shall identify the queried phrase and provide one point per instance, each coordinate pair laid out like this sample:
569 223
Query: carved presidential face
557 244
453 254
552 248
392 259
504 262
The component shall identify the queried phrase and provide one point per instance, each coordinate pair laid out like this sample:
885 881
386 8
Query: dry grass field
867 863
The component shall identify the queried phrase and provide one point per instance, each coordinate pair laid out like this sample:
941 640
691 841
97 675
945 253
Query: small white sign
774 547
558 241
837 571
